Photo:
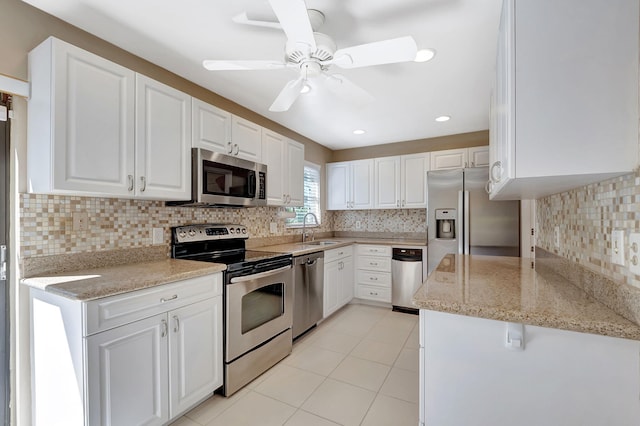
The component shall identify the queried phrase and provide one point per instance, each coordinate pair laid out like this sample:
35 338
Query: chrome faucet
304 226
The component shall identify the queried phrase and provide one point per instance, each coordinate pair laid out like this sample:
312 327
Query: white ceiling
179 35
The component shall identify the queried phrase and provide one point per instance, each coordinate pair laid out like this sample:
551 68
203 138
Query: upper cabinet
163 141
477 156
246 139
99 129
350 185
285 169
565 100
401 181
211 127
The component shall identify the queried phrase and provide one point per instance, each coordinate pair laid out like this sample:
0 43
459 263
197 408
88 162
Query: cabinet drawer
374 250
379 294
109 312
373 263
337 253
382 279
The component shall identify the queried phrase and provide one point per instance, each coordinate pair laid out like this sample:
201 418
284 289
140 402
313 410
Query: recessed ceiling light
359 132
443 118
305 89
425 55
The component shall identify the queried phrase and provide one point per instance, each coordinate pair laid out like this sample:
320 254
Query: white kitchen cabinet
401 181
468 375
460 158
99 129
211 127
163 141
285 169
373 272
246 139
81 122
142 357
338 279
350 185
562 117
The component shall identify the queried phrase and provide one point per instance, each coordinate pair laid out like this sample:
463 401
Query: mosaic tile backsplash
585 218
47 223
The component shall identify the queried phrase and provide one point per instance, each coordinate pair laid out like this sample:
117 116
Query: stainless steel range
258 298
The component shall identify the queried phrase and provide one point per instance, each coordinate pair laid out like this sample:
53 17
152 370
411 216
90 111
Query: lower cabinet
373 273
165 358
487 372
338 279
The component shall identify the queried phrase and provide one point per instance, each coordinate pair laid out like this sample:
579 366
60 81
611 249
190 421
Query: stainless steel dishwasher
406 277
308 283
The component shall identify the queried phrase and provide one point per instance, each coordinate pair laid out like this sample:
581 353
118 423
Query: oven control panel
206 232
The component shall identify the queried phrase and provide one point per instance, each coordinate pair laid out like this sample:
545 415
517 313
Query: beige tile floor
359 367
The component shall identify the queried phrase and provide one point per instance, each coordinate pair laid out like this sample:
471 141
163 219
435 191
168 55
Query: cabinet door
346 286
211 127
246 139
81 122
331 279
361 181
387 182
414 170
127 374
338 186
163 141
195 353
295 168
449 159
478 156
274 156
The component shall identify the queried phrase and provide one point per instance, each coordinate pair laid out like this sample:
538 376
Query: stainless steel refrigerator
462 219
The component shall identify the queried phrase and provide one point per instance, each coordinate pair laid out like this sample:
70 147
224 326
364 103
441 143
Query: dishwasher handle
407 254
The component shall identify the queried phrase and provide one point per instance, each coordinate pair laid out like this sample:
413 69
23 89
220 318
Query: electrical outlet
157 236
556 236
617 246
634 253
358 224
80 221
273 227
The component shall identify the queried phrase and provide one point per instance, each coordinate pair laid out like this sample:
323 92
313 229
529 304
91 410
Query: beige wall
464 140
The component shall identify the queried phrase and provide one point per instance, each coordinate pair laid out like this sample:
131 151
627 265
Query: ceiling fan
312 54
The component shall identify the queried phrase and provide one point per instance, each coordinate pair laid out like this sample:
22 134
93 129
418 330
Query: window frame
318 212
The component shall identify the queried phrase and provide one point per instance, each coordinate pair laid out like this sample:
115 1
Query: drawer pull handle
373 278
177 321
373 263
164 328
174 297
371 293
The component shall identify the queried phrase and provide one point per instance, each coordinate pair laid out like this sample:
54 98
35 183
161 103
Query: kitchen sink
320 243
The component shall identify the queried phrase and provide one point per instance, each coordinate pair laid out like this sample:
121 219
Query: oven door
258 307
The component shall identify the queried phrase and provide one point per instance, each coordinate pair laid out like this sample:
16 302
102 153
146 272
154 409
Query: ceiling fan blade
344 88
287 96
221 65
244 19
294 19
390 51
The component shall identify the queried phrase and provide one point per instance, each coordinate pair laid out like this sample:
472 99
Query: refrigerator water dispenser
446 224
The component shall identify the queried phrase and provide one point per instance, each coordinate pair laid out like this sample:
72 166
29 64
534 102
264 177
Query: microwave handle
252 184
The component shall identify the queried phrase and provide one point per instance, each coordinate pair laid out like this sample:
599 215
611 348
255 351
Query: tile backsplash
585 218
392 221
46 223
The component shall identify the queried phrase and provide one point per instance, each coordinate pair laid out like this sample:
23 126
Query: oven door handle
259 275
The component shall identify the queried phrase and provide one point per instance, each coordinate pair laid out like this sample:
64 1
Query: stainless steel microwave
220 180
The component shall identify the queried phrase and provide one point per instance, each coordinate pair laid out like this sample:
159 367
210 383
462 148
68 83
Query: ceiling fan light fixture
359 132
425 55
443 118
305 89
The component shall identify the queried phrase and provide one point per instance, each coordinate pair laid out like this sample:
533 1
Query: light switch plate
634 253
157 236
617 246
556 236
273 227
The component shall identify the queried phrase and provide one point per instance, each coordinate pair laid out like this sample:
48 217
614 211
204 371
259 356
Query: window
311 196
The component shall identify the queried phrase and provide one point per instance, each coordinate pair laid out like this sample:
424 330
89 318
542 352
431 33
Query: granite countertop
88 284
508 289
299 248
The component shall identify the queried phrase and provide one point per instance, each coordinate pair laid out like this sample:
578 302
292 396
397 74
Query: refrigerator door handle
461 216
467 244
